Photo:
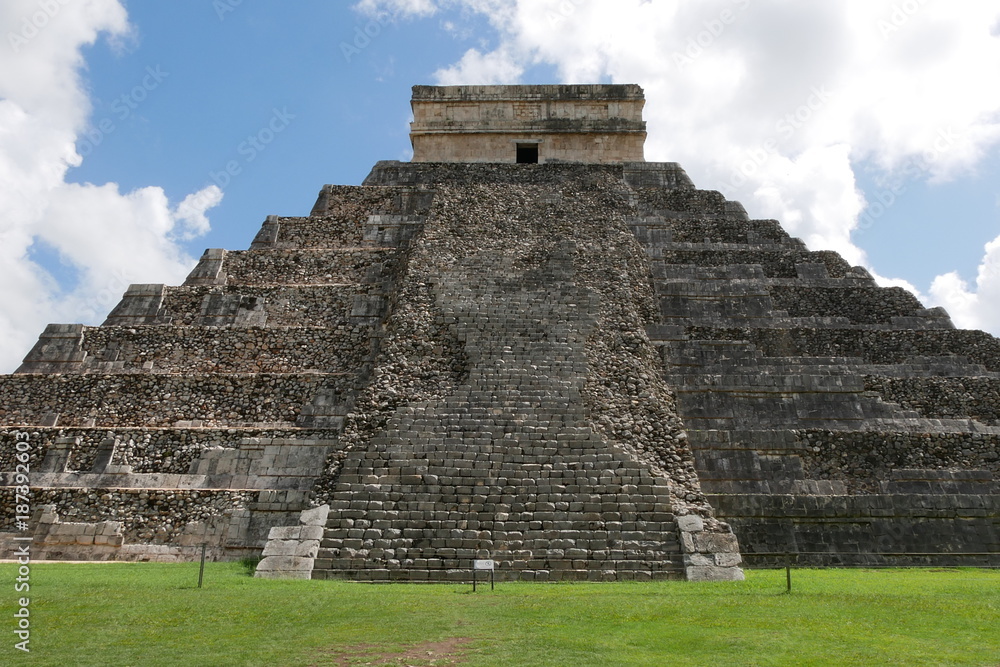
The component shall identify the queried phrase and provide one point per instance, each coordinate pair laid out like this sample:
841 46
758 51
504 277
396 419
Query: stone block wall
205 413
163 400
534 451
861 305
976 397
582 371
296 267
166 350
829 417
485 124
290 552
597 147
871 344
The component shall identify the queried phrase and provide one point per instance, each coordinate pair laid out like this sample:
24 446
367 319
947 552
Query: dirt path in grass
428 654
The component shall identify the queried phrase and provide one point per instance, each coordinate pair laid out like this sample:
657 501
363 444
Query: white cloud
776 102
398 7
192 210
973 309
106 238
478 68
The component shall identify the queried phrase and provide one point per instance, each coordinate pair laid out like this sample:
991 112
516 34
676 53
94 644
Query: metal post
473 579
491 579
788 573
201 571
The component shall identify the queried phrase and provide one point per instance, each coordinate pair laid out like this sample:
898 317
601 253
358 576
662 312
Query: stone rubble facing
875 462
215 400
829 417
583 372
944 397
204 414
143 450
538 430
199 350
871 344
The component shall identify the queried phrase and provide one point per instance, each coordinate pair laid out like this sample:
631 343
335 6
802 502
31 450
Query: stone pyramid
527 345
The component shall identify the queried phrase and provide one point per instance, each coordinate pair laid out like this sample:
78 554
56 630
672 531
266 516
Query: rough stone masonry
529 346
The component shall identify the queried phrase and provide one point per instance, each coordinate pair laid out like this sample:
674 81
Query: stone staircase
502 458
581 372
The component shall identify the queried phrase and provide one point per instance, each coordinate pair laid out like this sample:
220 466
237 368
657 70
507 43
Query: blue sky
867 128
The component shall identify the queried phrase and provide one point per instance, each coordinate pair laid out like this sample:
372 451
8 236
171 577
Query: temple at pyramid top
528 124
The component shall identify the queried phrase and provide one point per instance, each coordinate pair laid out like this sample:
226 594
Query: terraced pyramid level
579 371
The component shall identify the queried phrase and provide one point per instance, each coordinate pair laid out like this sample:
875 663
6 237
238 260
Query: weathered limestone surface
518 412
467 124
829 417
290 552
204 414
581 371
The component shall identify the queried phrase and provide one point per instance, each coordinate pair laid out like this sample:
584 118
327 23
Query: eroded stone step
944 397
195 349
177 451
248 305
873 344
728 262
164 400
346 265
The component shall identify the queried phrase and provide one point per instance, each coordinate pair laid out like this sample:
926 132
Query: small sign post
201 570
482 564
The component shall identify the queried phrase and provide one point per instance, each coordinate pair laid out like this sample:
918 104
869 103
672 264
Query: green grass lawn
152 614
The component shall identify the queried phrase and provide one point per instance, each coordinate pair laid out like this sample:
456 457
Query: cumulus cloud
103 238
778 103
483 69
973 308
398 7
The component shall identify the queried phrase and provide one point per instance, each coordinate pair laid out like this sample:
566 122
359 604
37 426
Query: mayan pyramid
527 345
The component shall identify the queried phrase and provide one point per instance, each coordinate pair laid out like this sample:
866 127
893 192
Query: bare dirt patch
442 653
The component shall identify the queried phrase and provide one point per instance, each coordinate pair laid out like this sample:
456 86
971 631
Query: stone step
727 262
350 201
198 349
943 397
661 202
557 572
876 529
338 218
668 227
306 266
751 382
828 462
873 344
731 301
247 306
178 451
164 400
741 407
693 364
